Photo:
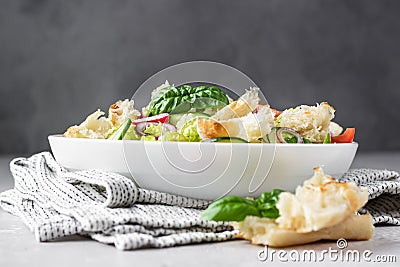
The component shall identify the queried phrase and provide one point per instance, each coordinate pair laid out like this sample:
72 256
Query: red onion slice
281 132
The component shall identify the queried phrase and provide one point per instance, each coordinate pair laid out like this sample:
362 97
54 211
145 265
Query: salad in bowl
194 140
205 113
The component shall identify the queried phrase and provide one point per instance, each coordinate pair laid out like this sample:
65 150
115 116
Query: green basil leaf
230 208
267 203
307 141
269 197
233 208
269 211
186 97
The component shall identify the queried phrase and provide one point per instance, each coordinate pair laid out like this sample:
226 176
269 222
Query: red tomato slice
346 137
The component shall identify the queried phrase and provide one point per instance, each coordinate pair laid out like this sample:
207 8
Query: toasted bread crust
250 127
311 122
208 129
95 126
239 108
122 110
113 113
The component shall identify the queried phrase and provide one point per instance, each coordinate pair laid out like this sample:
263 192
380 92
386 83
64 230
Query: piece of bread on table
263 231
319 203
321 209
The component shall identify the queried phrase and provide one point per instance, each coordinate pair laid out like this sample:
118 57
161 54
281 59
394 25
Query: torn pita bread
263 231
321 202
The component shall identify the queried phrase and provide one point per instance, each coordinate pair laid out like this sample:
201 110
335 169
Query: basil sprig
182 99
233 208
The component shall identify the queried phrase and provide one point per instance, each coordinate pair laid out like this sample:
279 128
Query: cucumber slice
271 137
121 131
226 140
174 118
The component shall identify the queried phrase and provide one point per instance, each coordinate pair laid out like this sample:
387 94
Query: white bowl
205 170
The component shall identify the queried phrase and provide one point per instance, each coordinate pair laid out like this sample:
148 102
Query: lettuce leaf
173 136
189 131
131 134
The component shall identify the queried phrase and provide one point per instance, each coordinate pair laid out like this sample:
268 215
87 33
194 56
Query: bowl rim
60 136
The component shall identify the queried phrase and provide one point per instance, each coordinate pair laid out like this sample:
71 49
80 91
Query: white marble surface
18 246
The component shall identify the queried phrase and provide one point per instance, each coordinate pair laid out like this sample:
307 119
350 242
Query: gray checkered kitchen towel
383 193
109 208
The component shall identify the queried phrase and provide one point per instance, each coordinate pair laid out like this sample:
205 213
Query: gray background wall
60 60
